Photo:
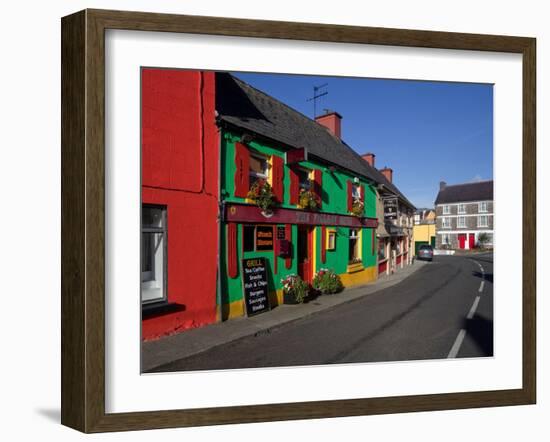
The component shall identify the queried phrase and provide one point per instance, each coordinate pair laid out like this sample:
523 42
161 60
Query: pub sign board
255 286
390 208
264 238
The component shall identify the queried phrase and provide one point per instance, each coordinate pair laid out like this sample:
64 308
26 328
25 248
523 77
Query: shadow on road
489 260
480 329
486 276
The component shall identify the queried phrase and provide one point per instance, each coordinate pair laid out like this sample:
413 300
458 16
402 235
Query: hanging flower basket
262 195
309 200
357 209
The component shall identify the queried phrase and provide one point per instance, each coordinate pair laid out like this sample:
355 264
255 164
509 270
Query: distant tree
483 239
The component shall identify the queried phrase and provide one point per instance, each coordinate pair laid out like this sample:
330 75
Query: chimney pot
332 121
388 173
369 158
442 185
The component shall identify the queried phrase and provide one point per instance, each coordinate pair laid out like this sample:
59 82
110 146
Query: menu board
264 238
255 287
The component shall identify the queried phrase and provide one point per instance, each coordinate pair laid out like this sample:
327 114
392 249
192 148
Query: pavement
195 341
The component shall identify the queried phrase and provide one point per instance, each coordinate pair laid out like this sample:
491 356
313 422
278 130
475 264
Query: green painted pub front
347 248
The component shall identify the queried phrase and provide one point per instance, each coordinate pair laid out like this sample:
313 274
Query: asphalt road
445 309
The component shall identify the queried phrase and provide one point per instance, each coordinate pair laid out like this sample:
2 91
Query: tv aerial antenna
318 92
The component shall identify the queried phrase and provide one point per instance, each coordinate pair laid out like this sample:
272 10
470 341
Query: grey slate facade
463 212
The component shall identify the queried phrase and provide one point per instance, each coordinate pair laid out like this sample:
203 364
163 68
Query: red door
305 260
472 240
461 240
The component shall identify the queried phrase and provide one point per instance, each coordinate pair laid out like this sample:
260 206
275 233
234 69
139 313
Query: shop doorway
305 253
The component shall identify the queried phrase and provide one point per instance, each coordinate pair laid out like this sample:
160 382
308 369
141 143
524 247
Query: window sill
355 267
160 308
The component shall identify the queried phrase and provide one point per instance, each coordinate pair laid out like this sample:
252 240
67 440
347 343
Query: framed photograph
267 221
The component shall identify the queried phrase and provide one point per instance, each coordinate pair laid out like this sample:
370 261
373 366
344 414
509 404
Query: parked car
426 252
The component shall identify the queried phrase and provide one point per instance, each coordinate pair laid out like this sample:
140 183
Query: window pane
355 192
248 238
152 217
352 249
303 176
258 165
153 250
152 267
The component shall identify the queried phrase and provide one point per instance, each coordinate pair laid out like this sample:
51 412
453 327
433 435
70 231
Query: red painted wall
180 170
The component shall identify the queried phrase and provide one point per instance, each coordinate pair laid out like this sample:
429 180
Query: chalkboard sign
255 286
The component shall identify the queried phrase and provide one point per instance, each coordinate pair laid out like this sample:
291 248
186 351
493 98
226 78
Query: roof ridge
466 184
273 98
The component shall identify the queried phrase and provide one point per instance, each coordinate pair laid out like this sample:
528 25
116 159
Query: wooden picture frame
83 220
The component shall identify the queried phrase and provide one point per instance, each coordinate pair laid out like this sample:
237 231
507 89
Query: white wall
30 219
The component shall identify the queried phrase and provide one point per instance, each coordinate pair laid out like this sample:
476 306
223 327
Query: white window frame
445 222
445 239
483 207
446 209
480 217
461 222
461 208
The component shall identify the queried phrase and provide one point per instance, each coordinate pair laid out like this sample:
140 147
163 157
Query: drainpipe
219 306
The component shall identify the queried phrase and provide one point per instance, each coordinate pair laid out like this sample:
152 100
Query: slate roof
243 106
456 193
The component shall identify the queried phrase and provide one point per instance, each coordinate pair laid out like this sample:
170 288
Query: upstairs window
259 168
462 208
304 181
446 210
461 221
446 223
482 207
356 191
482 221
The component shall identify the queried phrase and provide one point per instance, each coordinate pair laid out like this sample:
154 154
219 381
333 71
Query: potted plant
295 289
262 194
309 200
327 282
357 208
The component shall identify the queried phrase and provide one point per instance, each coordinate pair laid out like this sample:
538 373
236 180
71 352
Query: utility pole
316 96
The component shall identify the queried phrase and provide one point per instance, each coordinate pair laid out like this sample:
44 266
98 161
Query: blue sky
425 131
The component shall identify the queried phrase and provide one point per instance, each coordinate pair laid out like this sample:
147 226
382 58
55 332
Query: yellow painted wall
422 232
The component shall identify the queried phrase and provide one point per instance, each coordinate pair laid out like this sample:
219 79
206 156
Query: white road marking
457 344
482 276
462 333
474 307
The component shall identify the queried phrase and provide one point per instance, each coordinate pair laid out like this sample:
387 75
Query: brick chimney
388 173
332 121
442 185
369 158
